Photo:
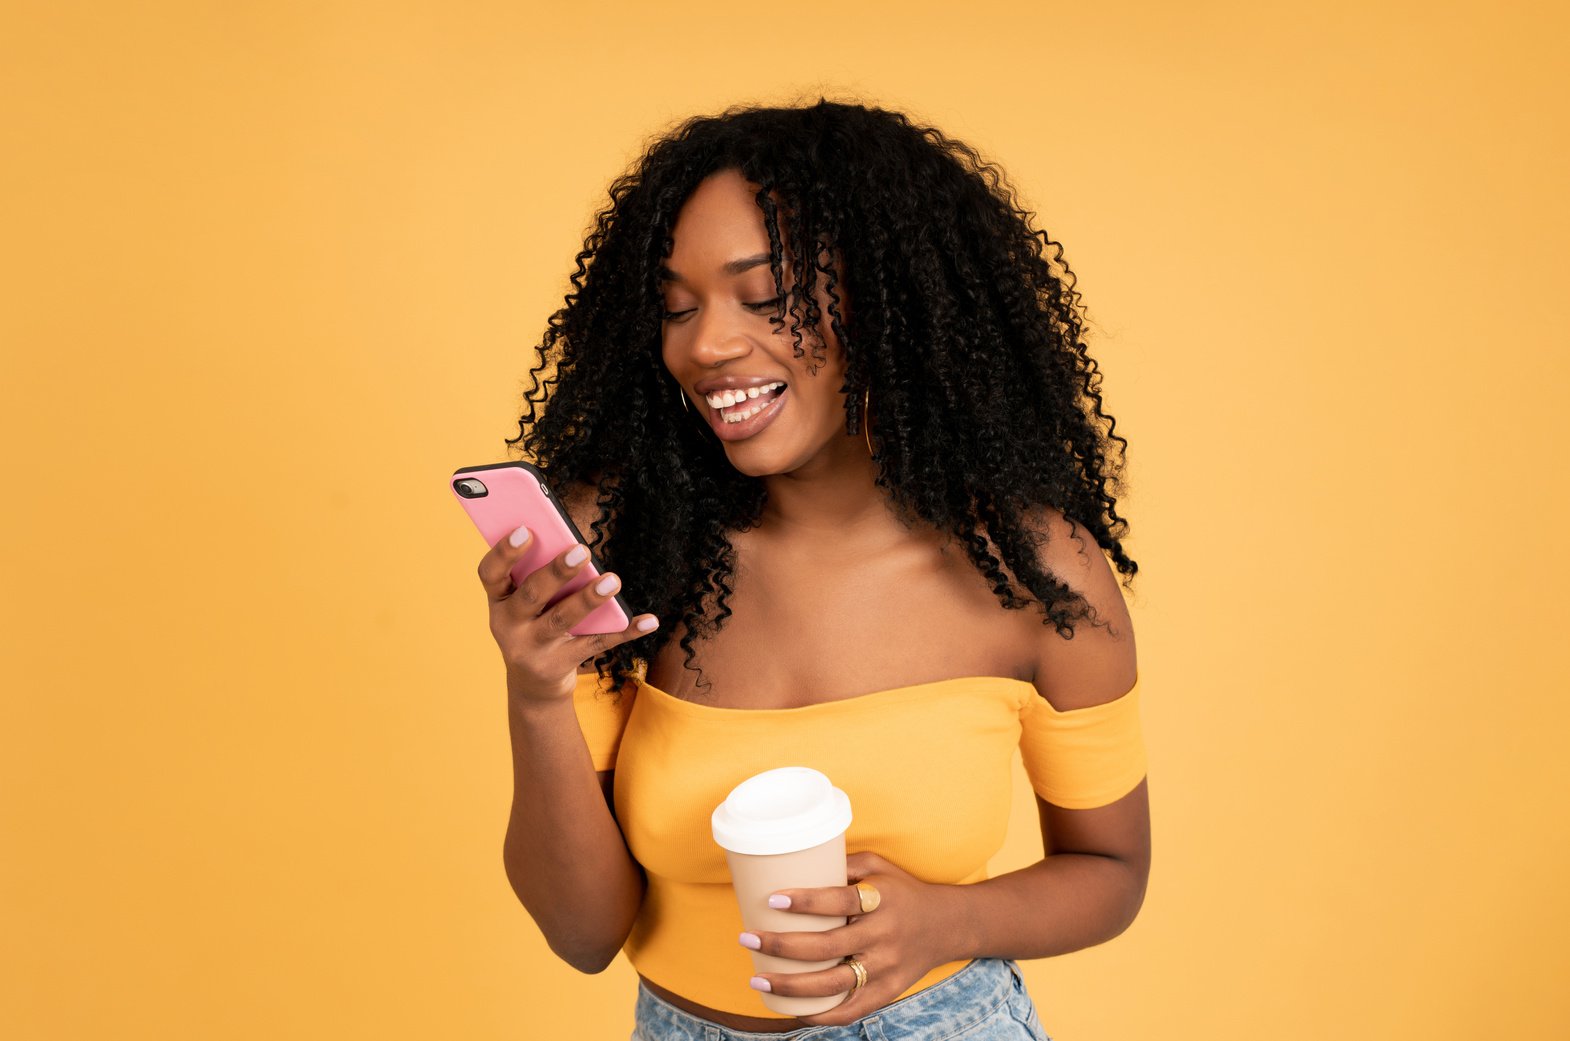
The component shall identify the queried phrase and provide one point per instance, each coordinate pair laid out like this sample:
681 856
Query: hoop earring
866 403
683 395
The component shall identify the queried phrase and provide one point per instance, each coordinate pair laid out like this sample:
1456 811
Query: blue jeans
984 1001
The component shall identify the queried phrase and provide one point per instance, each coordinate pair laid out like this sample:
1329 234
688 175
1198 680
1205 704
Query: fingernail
517 537
779 901
759 983
575 556
647 624
608 584
751 941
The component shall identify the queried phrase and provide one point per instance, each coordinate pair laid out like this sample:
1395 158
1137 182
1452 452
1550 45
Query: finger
544 584
806 946
817 984
860 865
829 900
496 566
558 620
593 646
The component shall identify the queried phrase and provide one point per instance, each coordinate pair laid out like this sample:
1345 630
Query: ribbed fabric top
928 769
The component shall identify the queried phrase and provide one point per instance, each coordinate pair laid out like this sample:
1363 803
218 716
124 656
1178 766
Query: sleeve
1084 757
602 716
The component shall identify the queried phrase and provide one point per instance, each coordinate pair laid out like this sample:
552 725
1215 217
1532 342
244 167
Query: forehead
718 227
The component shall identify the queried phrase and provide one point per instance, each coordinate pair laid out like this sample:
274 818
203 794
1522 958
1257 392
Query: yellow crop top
928 769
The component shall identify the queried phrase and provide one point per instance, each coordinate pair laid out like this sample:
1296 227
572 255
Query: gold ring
870 897
861 973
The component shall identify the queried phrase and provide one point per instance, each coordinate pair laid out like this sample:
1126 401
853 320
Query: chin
754 464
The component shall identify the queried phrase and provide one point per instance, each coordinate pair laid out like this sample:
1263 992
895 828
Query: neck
830 498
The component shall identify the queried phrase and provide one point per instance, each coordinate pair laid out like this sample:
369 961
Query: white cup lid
781 811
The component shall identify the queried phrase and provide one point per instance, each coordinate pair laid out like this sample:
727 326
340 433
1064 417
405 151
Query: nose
717 336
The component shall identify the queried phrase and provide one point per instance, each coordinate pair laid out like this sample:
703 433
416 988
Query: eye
767 305
671 316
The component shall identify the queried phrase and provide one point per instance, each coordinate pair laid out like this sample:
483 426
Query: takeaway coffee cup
785 829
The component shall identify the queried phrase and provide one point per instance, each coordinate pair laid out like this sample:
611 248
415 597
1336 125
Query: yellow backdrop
272 271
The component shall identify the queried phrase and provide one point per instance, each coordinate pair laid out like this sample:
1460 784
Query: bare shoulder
1098 664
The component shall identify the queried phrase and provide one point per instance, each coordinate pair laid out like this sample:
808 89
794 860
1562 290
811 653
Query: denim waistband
942 1010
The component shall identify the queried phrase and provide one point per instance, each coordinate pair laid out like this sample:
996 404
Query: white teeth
727 398
737 417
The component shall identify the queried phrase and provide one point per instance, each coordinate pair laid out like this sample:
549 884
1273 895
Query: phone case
518 493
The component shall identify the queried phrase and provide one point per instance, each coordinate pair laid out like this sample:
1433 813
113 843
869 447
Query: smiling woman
725 344
870 486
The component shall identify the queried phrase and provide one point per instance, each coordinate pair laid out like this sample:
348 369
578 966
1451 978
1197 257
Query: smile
738 415
751 400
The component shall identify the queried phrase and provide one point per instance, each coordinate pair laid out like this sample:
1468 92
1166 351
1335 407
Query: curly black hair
960 312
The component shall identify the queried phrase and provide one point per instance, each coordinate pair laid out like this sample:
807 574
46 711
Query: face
718 297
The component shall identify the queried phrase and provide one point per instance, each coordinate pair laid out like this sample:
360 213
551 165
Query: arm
1091 883
564 852
1087 890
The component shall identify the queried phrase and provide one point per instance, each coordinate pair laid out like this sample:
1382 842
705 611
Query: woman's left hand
910 932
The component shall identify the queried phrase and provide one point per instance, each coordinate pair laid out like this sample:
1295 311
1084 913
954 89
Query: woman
868 484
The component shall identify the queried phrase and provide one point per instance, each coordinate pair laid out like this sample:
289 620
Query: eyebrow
731 267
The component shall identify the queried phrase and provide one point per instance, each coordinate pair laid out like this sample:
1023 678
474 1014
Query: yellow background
271 271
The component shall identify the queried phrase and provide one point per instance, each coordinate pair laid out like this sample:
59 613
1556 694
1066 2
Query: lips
738 431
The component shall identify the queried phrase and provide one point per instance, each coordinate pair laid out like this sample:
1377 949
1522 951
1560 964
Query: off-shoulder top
928 769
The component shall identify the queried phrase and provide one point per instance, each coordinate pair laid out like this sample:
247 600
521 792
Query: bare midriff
724 1019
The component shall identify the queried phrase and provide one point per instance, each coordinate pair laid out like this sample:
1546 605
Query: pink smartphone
500 496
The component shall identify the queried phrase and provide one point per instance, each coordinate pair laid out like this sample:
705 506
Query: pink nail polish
751 941
779 902
759 983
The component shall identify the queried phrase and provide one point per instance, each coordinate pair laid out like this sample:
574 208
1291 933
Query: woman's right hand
536 641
